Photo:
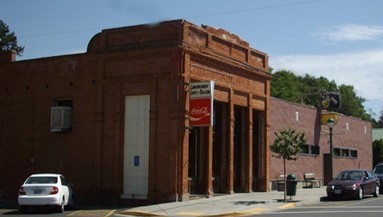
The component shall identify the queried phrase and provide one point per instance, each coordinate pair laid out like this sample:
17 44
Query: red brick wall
358 136
139 60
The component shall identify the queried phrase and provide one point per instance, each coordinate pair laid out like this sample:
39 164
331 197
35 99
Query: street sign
327 116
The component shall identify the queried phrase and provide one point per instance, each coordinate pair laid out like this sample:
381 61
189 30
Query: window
309 149
315 150
353 153
337 152
345 152
305 149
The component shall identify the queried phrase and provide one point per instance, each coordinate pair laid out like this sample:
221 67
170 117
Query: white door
136 146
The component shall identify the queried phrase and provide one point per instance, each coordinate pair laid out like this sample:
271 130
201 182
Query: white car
44 190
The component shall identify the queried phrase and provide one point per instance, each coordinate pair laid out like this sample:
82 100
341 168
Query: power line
191 17
259 8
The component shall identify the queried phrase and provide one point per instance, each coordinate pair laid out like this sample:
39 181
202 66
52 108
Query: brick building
352 141
115 120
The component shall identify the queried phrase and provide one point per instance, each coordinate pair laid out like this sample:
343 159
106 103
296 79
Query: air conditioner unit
61 119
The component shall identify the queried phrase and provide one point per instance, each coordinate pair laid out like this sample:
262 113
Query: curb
249 212
288 206
138 213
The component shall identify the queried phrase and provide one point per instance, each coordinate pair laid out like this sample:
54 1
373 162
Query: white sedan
44 190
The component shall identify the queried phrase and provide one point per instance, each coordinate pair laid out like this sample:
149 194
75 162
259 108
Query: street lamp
330 124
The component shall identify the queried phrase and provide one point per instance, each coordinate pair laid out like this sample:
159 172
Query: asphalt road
369 206
72 213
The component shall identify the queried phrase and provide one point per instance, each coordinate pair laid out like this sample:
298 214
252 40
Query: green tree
286 85
352 105
307 90
313 87
379 122
8 40
377 146
287 146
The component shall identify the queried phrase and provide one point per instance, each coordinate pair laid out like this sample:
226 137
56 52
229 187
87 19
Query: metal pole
331 156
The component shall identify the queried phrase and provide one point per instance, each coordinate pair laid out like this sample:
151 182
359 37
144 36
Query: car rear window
41 180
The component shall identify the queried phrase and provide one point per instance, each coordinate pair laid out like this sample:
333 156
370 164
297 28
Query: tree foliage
377 146
287 145
307 90
8 40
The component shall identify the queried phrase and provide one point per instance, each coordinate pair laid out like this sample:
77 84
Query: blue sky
341 40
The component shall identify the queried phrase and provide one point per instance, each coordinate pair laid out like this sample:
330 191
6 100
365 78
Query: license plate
37 191
337 191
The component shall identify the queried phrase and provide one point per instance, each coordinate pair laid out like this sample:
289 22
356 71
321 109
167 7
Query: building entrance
236 163
198 144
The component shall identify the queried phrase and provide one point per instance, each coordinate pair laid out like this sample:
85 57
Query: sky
341 40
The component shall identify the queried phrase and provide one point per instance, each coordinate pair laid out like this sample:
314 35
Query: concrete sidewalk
239 204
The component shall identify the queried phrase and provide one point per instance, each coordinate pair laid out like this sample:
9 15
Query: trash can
291 185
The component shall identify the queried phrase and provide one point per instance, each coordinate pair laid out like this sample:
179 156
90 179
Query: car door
369 183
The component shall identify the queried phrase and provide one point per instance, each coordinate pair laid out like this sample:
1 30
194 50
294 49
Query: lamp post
330 124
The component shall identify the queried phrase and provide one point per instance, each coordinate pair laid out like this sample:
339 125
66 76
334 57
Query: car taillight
22 191
54 190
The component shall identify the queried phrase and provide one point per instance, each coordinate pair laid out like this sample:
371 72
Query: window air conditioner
61 119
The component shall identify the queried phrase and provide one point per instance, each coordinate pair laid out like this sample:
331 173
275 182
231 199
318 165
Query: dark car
353 184
378 172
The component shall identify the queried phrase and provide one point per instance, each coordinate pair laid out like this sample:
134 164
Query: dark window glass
41 180
354 153
315 149
345 153
305 149
336 152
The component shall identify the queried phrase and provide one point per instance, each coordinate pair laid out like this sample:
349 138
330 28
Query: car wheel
60 208
359 196
377 189
24 209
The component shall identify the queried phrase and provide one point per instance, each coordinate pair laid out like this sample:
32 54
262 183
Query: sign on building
327 116
201 103
331 100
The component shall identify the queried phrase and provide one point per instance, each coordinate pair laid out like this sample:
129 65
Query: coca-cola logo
199 111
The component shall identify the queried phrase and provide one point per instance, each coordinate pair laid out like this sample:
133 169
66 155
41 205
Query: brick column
209 162
249 178
230 172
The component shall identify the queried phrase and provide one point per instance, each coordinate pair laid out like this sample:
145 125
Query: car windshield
350 175
378 169
42 180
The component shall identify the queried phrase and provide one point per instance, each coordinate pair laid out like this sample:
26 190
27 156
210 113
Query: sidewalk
239 204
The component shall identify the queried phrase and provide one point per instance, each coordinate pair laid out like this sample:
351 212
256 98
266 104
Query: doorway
198 142
240 141
258 148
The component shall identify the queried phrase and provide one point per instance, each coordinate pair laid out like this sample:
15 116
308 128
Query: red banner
201 112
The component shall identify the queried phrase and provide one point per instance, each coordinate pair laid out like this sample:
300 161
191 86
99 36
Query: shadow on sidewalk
249 203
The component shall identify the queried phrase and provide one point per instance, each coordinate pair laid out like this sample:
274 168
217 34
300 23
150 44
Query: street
73 213
369 206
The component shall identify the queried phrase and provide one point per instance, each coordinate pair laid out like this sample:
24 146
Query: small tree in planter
287 145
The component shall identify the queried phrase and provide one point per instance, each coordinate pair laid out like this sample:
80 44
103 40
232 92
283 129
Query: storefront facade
116 119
